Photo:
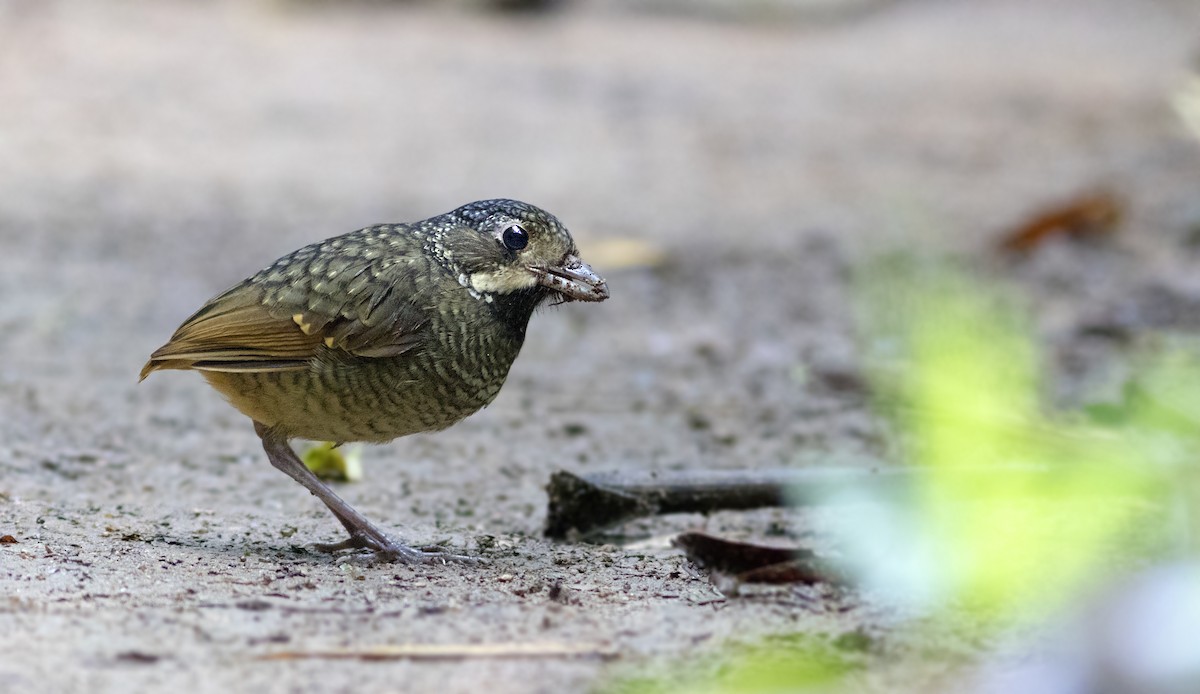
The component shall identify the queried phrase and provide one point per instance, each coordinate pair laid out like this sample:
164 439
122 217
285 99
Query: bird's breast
458 368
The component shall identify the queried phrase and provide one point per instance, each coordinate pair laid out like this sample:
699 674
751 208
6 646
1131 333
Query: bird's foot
391 551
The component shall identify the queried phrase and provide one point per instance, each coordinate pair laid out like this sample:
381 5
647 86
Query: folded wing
240 332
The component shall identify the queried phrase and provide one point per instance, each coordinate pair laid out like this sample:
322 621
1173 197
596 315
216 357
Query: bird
382 332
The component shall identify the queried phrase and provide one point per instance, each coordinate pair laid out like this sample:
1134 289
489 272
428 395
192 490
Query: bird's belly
373 400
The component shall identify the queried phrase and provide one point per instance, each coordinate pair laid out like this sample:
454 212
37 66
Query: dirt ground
151 154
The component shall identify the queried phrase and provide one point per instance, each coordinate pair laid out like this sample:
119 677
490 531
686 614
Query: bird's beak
574 279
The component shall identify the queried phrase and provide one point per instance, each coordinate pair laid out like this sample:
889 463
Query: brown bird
381 332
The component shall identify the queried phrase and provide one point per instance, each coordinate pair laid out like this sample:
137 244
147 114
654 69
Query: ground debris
750 563
585 504
581 505
1088 214
453 651
139 657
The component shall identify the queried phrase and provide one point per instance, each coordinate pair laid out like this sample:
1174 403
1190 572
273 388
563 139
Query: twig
453 651
588 503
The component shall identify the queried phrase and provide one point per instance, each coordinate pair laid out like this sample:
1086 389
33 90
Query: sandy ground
151 154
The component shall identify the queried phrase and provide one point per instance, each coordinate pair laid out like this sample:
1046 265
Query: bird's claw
422 555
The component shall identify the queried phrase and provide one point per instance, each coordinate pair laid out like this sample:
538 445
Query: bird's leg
363 533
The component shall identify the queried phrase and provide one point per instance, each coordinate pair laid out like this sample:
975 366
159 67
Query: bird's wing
252 329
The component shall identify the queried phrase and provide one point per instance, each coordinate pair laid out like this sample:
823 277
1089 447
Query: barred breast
459 370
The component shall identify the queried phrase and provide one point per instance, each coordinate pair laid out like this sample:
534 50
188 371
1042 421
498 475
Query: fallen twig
452 651
588 503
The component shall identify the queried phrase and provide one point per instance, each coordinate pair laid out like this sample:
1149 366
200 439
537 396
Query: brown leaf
752 563
1089 214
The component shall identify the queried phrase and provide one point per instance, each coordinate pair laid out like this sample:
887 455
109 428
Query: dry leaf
1089 214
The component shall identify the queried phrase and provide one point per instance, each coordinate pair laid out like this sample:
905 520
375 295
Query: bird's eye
515 238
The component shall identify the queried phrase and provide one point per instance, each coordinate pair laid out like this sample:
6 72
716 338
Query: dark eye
515 238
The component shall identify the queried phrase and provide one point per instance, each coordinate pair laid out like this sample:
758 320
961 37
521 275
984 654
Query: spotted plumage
381 332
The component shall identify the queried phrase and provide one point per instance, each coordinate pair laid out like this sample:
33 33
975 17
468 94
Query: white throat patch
506 280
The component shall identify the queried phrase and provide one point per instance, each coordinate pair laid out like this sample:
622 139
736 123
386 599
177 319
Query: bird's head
500 248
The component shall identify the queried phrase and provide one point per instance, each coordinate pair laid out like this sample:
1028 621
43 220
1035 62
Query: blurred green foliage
1079 498
779 664
963 387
